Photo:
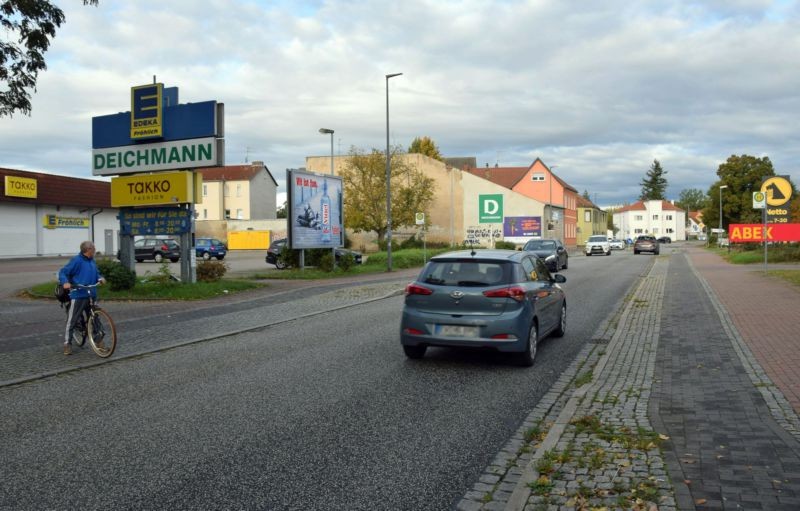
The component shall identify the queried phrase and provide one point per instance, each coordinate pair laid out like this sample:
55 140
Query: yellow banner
65 222
153 189
21 187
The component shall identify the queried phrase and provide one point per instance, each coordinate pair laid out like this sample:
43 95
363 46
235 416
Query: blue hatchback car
207 248
500 299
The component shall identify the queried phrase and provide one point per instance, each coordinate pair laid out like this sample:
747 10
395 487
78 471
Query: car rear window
598 238
469 272
540 245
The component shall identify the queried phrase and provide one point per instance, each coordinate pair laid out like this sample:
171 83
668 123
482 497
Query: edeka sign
198 152
146 111
21 187
64 222
152 189
755 233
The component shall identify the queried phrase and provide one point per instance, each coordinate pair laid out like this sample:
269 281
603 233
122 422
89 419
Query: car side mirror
519 248
559 279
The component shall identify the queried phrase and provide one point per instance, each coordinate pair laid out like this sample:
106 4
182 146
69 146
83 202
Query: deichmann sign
64 222
490 209
200 152
153 189
755 233
21 187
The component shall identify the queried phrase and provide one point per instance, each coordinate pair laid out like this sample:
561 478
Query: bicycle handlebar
84 286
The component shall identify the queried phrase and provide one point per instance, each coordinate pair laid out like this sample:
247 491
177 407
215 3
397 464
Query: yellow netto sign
153 189
21 187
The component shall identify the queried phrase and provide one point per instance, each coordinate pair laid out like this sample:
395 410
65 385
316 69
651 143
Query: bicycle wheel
102 333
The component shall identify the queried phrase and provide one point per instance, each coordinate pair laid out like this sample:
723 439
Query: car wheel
220 258
139 260
608 253
206 256
415 352
175 259
635 252
158 258
527 357
562 322
280 264
588 254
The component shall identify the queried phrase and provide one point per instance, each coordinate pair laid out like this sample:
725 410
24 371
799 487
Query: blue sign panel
191 120
154 221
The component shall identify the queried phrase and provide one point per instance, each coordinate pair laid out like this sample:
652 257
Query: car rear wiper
434 280
471 283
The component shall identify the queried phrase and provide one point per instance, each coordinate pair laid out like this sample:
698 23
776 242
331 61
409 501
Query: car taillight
413 331
414 289
504 336
513 292
164 248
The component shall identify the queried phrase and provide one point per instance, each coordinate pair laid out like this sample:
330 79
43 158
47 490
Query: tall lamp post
388 183
720 207
550 198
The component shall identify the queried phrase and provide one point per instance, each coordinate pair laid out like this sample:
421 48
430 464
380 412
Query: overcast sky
596 89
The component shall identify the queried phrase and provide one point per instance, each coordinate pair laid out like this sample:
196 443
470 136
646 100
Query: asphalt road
326 413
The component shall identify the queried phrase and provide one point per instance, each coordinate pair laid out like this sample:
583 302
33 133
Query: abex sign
755 233
153 189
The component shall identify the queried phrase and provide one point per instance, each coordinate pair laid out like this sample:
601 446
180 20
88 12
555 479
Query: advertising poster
315 210
522 226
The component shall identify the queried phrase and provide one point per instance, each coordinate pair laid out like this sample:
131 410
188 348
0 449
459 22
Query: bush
118 277
411 242
325 262
346 262
211 271
289 257
162 276
382 245
505 245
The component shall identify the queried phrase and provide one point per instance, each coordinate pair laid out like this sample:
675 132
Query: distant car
646 243
274 252
597 244
156 249
665 239
206 248
552 251
505 300
616 244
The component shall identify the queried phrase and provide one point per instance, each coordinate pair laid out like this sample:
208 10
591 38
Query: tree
364 181
692 199
282 211
610 221
742 175
425 146
654 185
586 195
32 23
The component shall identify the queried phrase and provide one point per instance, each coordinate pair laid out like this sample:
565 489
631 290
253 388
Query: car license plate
457 331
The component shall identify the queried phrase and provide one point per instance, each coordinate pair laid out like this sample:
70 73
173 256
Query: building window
239 214
655 217
670 230
655 230
537 177
205 214
669 217
227 190
227 214
638 231
205 190
587 216
638 217
238 190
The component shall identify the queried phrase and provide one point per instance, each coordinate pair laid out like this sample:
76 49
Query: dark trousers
75 310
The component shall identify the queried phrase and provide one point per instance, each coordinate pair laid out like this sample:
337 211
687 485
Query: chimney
258 164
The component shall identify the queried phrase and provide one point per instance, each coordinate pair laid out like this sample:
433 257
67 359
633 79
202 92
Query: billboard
314 210
522 226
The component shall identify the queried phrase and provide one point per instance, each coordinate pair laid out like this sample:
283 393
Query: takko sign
153 189
755 233
21 187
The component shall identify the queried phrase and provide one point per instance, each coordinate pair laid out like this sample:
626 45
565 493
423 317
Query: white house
655 217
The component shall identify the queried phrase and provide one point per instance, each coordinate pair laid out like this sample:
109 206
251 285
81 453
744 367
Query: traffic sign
759 200
419 218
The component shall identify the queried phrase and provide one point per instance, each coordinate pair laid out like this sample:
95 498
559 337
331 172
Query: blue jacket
80 270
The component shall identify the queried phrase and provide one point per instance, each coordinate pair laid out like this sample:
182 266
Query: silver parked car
500 299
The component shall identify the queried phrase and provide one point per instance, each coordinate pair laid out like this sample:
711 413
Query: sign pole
765 240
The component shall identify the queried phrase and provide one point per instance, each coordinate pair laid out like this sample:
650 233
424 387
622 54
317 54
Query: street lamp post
326 131
388 183
719 234
550 198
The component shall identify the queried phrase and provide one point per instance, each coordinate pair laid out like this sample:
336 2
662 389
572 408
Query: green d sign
490 209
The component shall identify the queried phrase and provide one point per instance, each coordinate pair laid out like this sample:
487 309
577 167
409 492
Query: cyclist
80 270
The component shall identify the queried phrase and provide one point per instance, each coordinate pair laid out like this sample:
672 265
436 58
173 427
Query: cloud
598 90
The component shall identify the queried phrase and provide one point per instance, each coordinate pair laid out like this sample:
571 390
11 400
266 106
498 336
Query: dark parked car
665 239
645 243
500 299
274 252
552 251
156 249
207 248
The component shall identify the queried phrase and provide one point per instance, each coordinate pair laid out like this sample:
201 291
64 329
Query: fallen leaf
719 456
687 481
700 502
663 437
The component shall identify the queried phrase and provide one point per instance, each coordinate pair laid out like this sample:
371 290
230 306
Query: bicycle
96 325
